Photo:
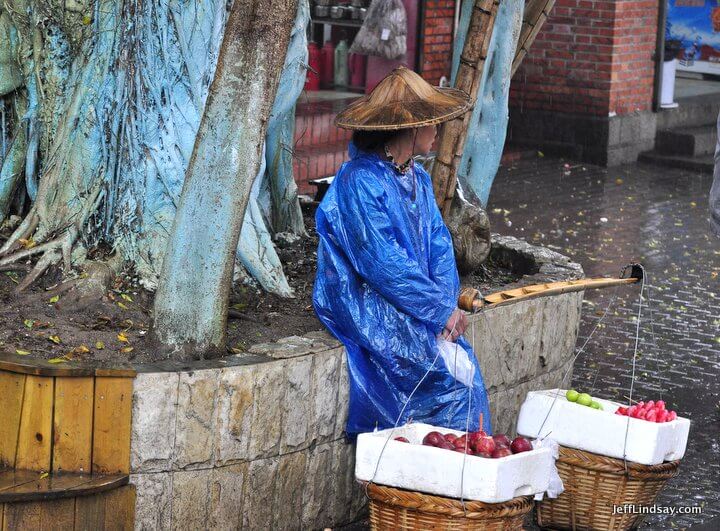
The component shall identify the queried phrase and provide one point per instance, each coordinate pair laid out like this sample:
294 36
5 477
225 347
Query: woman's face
425 139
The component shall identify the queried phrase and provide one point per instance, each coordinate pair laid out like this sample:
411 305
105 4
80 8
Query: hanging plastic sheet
386 285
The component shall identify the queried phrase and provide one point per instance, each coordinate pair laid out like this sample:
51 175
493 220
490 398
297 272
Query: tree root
24 231
50 258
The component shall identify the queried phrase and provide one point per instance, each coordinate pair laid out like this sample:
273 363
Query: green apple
572 395
595 405
584 399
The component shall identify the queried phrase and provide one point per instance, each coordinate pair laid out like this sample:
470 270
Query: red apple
434 438
473 437
450 437
485 444
461 442
501 451
650 404
662 415
660 404
483 454
520 444
671 416
622 410
651 415
401 439
501 439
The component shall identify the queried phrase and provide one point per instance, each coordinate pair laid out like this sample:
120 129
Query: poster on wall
696 25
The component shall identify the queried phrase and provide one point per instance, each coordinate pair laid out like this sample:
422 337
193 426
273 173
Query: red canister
358 65
312 80
327 68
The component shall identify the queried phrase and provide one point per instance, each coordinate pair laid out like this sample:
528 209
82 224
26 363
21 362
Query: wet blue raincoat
386 285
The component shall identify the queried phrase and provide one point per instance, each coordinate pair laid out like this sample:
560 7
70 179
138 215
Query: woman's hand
455 326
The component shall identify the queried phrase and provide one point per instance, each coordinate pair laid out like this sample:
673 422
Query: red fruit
401 439
660 404
651 416
622 410
485 445
501 451
662 415
461 442
450 437
520 444
640 404
501 439
671 416
650 404
631 411
483 454
434 438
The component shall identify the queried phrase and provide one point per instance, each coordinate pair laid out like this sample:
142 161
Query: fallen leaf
121 305
21 352
126 349
714 274
44 475
82 348
86 20
54 299
122 337
27 244
99 345
57 360
126 297
55 339
540 154
28 323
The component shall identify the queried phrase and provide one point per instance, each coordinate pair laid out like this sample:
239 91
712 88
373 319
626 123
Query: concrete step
702 163
686 141
692 111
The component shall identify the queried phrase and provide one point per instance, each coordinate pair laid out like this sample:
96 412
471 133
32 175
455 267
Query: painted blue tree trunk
129 84
488 125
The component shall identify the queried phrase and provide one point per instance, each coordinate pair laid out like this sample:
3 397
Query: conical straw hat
403 100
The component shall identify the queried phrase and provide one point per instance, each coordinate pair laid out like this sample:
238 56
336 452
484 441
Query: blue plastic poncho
386 285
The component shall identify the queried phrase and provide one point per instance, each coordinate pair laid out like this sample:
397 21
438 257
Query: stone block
325 387
153 503
226 497
191 497
343 397
234 413
268 404
153 421
288 497
194 432
258 507
348 499
318 487
296 403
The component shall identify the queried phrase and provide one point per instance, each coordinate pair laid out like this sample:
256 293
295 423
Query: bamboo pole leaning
452 136
536 13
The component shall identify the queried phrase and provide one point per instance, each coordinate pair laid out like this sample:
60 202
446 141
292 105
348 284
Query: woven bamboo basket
594 484
394 509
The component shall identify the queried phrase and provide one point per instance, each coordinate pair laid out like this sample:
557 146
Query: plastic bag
555 487
457 361
384 31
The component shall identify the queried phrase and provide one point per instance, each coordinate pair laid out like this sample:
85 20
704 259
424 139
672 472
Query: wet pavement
604 219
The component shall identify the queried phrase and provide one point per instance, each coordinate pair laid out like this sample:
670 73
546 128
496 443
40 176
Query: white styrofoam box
438 471
601 432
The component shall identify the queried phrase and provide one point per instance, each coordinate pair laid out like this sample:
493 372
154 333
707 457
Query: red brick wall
437 39
591 57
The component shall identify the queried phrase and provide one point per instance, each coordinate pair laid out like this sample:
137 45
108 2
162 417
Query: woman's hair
373 140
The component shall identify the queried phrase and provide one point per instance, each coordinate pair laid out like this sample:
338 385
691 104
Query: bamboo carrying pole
471 300
536 13
451 139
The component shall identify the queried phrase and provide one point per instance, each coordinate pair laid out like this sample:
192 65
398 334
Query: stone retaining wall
256 441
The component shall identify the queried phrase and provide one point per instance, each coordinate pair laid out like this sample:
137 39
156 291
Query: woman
387 284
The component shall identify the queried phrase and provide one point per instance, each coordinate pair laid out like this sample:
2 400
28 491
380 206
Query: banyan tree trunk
192 298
